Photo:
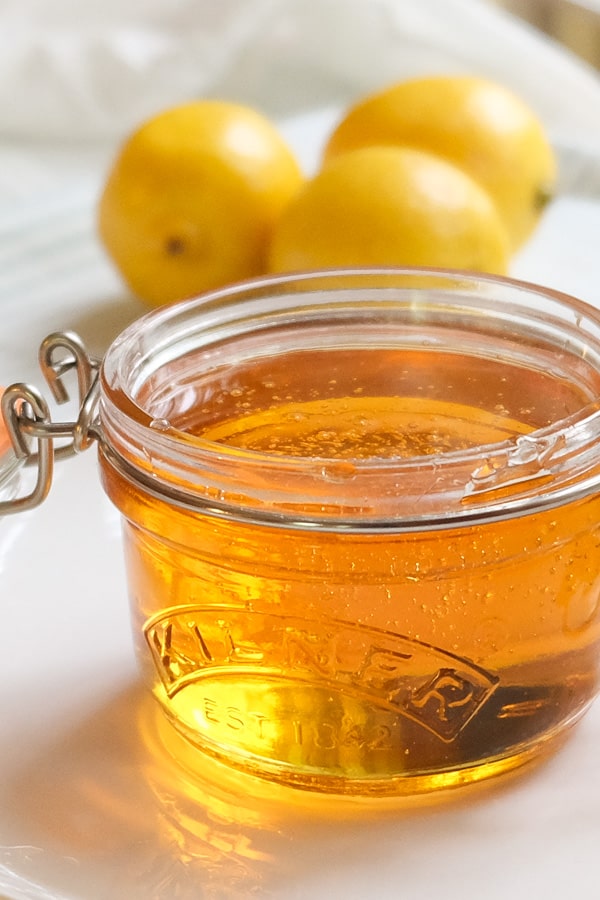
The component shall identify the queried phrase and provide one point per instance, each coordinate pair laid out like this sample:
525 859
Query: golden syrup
386 661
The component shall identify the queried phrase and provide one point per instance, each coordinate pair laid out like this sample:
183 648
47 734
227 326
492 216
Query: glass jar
360 519
361 522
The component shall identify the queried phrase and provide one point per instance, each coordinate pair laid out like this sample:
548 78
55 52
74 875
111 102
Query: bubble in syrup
339 471
160 424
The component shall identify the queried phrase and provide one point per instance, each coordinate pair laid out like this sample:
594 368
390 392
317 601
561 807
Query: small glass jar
361 522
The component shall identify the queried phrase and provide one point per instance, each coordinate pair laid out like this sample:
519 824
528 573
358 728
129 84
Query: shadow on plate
122 807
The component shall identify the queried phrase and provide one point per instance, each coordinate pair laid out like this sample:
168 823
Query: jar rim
547 466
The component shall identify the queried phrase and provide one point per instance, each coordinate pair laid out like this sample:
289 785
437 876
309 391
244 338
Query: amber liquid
367 662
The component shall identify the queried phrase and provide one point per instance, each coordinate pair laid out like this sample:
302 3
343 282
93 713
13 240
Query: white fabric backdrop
91 69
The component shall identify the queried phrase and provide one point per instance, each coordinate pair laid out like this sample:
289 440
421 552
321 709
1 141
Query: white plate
88 811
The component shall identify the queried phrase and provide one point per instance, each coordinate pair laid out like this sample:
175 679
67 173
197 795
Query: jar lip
514 466
441 276
496 480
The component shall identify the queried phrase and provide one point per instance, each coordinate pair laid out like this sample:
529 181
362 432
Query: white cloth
72 70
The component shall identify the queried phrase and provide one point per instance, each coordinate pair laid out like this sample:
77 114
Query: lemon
390 206
191 199
475 123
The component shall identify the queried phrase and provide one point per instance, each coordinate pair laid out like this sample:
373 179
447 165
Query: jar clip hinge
29 423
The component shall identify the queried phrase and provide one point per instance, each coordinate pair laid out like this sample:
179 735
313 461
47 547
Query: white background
85 812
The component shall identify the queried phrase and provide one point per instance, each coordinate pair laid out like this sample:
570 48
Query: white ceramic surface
88 811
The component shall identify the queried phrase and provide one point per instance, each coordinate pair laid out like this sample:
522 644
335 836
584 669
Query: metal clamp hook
28 420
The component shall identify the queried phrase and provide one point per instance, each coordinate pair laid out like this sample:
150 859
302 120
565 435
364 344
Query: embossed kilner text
432 687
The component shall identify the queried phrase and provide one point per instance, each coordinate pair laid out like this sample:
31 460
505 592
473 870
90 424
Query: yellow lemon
390 206
192 197
477 124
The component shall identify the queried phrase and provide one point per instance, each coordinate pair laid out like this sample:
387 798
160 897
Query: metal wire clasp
28 420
